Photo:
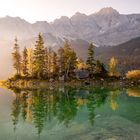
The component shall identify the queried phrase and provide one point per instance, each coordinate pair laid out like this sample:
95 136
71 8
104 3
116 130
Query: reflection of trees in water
42 106
134 92
38 109
112 99
16 110
24 105
67 106
96 98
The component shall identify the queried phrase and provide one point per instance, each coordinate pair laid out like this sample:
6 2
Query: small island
43 67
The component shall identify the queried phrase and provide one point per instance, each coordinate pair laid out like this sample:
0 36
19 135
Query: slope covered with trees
127 54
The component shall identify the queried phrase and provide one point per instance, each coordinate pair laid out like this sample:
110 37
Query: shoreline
35 84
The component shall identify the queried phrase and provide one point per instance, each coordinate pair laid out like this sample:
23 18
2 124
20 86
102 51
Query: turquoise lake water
70 114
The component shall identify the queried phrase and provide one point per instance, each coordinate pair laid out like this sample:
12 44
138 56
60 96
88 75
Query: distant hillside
128 54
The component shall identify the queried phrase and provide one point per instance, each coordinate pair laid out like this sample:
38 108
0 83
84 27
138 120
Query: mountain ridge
127 54
104 10
106 27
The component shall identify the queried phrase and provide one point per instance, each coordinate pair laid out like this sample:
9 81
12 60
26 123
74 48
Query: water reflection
96 98
134 92
43 106
112 99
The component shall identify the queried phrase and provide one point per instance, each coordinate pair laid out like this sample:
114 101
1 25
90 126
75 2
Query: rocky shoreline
35 84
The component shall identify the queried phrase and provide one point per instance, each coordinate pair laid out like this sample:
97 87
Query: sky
48 10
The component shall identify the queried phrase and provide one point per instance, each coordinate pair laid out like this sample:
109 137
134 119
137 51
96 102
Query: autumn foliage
133 74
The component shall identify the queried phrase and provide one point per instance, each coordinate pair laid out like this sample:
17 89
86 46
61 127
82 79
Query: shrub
133 74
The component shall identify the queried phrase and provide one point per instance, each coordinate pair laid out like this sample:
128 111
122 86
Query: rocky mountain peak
79 15
108 11
62 19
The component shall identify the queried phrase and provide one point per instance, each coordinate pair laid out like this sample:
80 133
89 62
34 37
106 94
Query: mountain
106 27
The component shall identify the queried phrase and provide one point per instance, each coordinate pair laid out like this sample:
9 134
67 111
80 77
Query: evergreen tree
25 62
67 57
61 61
16 58
100 69
90 60
113 67
50 62
46 60
54 64
51 65
70 59
39 55
72 62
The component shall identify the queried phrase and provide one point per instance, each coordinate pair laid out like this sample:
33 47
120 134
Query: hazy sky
33 10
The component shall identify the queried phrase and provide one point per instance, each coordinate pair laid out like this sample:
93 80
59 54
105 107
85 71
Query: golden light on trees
81 64
113 67
30 60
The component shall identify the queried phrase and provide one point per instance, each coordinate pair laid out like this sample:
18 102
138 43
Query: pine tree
51 66
113 67
70 59
49 62
25 62
67 60
61 61
54 64
16 58
39 57
46 66
90 60
100 69
73 61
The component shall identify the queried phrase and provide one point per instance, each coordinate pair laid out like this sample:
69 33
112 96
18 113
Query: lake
68 113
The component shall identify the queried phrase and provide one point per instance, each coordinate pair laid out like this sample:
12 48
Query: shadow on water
43 106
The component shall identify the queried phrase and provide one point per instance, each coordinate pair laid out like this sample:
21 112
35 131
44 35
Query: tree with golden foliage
67 59
113 67
30 61
81 64
133 74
